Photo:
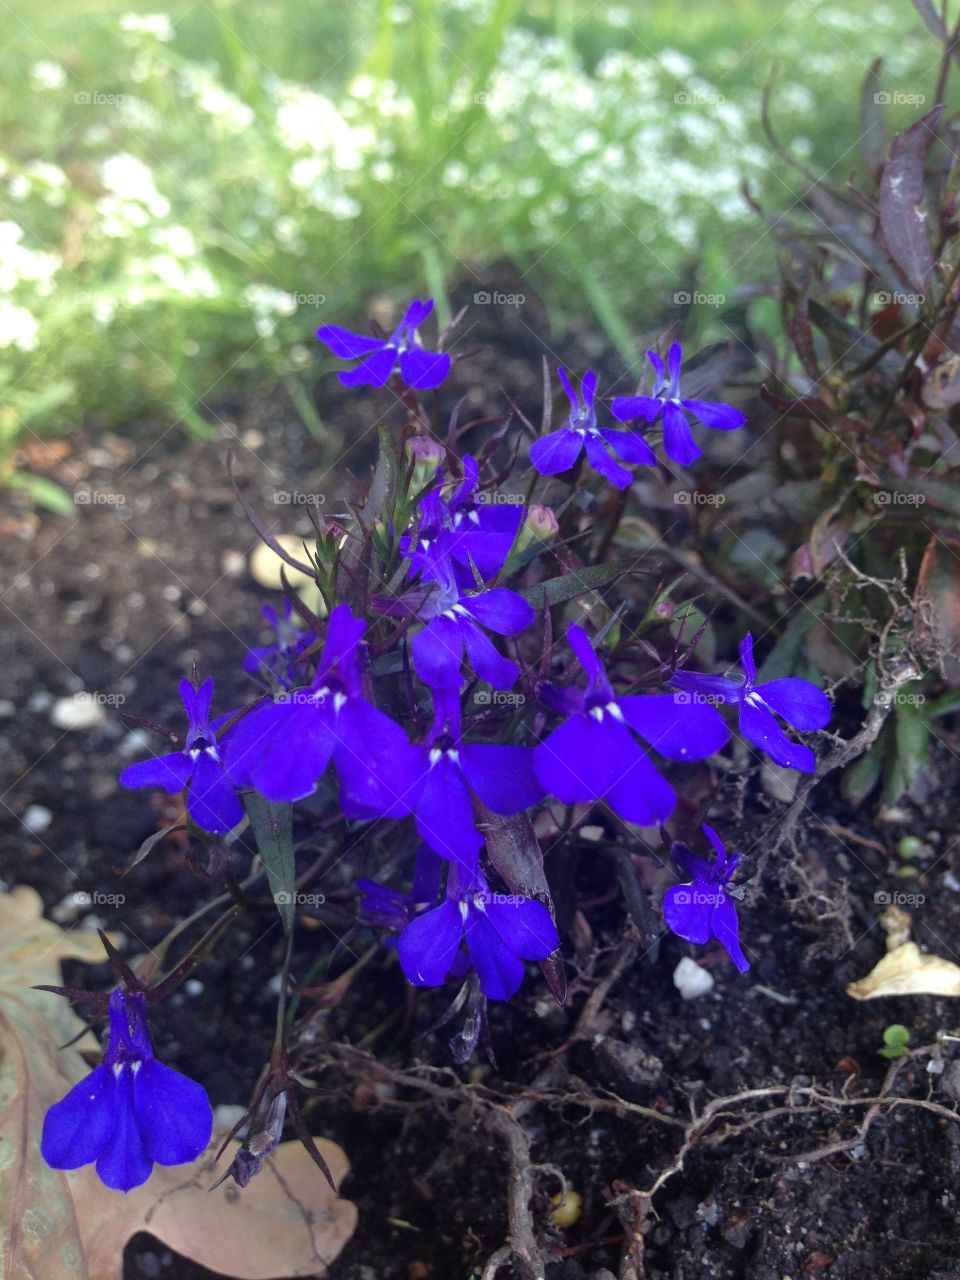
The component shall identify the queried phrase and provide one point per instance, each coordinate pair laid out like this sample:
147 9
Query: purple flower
131 1112
282 746
702 910
453 522
279 658
456 622
665 398
799 702
559 450
211 801
381 356
501 932
441 775
386 908
593 755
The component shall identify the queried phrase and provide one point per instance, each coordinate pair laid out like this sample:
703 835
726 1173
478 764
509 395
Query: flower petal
524 924
758 724
500 610
75 1129
423 369
503 777
123 1162
678 439
568 388
347 345
641 793
686 913
374 371
630 408
690 731
259 748
438 652
487 662
173 1113
578 761
212 800
630 446
605 465
380 772
587 656
445 815
428 945
720 417
499 970
556 452
799 702
171 772
726 930
746 659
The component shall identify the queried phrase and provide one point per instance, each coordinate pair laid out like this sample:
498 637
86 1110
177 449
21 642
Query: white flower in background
18 327
130 179
191 280
19 265
179 241
157 25
47 75
265 300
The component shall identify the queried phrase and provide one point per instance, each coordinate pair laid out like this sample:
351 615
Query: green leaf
44 492
273 830
896 1038
578 582
383 489
864 774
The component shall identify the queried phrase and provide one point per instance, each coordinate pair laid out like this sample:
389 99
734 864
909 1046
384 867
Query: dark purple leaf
903 218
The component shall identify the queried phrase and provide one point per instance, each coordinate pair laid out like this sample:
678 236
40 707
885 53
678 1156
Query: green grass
447 137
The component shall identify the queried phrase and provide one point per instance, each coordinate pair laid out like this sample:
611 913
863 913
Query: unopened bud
426 455
540 525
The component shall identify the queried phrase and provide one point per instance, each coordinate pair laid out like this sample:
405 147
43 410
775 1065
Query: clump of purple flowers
432 694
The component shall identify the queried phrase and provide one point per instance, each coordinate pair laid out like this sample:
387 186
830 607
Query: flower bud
540 525
426 455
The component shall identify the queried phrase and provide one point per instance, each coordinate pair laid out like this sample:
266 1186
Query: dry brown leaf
907 971
68 1226
287 1222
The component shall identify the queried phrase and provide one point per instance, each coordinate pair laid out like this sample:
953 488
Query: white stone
691 979
36 818
80 711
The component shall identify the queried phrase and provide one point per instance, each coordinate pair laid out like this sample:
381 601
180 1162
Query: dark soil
125 596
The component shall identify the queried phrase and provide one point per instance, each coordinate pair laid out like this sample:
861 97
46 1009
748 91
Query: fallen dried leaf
906 971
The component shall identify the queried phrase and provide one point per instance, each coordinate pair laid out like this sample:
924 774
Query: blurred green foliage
187 190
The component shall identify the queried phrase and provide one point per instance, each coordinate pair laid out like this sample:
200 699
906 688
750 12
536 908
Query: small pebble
7 708
39 701
691 979
81 711
36 818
